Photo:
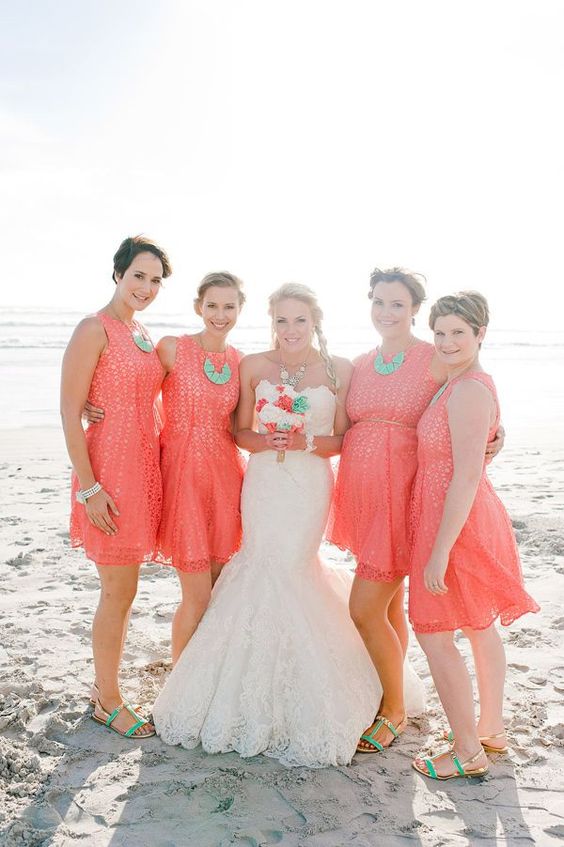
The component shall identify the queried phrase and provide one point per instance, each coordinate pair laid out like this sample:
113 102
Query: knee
435 644
193 607
120 600
361 614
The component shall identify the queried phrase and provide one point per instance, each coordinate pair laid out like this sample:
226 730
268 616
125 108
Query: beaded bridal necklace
296 377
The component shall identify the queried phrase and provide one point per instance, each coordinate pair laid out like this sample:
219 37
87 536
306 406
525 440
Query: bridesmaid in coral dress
116 485
390 389
465 570
201 466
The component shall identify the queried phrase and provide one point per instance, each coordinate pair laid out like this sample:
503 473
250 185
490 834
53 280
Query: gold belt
384 421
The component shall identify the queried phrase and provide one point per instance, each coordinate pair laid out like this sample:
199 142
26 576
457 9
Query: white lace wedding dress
276 666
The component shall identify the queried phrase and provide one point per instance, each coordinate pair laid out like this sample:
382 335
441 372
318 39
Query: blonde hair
410 279
470 306
297 291
223 279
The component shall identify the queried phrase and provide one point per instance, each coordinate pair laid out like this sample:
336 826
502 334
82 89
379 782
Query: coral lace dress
201 465
123 450
484 574
378 462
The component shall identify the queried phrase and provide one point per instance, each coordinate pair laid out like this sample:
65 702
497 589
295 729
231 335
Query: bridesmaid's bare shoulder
166 351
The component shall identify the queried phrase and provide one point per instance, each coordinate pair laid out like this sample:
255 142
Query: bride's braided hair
297 291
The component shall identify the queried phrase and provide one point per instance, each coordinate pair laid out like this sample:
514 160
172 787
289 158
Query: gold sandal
461 767
489 748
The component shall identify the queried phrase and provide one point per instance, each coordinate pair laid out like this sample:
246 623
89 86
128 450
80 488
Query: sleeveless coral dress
124 451
484 577
378 462
201 465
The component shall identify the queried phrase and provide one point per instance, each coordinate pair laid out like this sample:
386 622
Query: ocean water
527 366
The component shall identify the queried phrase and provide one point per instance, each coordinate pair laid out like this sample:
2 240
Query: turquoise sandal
380 721
110 718
461 768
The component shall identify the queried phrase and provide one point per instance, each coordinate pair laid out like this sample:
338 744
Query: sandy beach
64 780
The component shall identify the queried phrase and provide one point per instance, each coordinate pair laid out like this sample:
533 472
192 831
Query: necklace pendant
218 378
143 343
386 368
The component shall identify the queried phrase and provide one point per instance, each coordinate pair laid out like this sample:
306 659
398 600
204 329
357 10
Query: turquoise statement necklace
144 344
215 376
142 341
386 368
218 378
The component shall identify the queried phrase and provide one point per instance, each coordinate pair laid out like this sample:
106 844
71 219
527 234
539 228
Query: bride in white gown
276 666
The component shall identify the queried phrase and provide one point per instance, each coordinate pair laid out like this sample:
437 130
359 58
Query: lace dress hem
115 558
507 616
197 566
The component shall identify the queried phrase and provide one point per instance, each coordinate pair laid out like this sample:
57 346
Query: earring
412 321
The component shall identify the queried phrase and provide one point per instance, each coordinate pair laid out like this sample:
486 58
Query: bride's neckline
295 390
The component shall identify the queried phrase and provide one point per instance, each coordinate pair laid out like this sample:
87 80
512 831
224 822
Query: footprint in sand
21 560
556 677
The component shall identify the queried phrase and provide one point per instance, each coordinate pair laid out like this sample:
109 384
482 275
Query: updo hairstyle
222 279
412 281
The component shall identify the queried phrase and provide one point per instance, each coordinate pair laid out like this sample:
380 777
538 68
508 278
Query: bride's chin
293 348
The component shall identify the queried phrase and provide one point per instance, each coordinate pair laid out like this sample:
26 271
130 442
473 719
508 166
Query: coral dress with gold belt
370 509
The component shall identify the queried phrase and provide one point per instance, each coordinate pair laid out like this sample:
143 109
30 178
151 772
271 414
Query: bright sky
307 140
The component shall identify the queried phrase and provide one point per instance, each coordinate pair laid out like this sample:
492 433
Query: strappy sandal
489 748
94 693
461 772
110 718
380 721
95 696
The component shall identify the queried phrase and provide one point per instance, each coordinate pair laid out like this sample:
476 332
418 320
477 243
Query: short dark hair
131 247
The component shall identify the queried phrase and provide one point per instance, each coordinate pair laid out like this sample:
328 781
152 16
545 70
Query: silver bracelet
82 496
310 446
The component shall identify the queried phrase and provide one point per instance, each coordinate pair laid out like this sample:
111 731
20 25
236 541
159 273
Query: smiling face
456 343
219 308
292 324
392 309
140 283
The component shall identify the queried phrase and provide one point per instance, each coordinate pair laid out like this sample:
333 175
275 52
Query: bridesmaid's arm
470 412
439 374
166 351
79 363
